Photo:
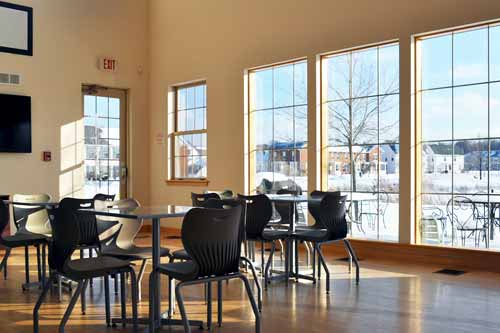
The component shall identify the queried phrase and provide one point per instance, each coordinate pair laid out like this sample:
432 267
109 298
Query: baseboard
455 258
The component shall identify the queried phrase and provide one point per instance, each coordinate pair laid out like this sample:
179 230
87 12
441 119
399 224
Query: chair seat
94 267
133 253
271 234
314 235
23 239
180 255
181 271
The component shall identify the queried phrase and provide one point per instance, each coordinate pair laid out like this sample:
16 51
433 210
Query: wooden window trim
172 179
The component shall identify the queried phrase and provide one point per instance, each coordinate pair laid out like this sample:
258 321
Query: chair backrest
211 237
283 208
198 199
70 229
332 213
314 204
104 197
460 211
258 211
4 217
224 194
124 230
29 218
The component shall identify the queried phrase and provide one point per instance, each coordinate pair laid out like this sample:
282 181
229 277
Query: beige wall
69 36
217 40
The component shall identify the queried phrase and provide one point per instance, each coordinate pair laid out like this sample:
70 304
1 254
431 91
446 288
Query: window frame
322 128
250 139
417 91
175 132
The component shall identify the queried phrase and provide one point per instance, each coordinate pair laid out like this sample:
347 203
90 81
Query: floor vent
448 271
347 259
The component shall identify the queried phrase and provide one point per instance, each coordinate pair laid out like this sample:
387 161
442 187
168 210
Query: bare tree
354 116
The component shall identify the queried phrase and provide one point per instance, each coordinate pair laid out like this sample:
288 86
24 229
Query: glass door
105 141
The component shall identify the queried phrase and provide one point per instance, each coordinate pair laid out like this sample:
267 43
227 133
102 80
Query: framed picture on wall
16 29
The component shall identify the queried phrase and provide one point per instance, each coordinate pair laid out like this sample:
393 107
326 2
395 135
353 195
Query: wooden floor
391 298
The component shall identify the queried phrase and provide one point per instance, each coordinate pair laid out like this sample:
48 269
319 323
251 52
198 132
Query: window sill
187 182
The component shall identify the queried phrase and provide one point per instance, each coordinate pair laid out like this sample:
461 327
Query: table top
144 212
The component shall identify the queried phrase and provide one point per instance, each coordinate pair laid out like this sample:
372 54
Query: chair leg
171 298
308 253
26 265
106 301
39 302
3 264
296 245
38 263
139 279
115 280
256 280
314 264
281 249
44 263
219 303
59 287
74 299
182 309
83 299
353 257
209 305
90 256
123 299
135 296
252 302
152 292
325 267
319 264
269 260
262 257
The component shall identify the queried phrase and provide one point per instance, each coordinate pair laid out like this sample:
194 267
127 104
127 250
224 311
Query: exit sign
107 64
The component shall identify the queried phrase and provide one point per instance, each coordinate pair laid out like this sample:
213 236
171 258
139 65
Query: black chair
121 242
330 213
212 238
258 212
23 238
215 203
71 229
197 200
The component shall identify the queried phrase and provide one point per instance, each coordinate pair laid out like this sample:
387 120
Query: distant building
368 159
439 158
287 158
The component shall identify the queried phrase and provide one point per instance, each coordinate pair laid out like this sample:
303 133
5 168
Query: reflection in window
360 102
278 127
190 135
102 145
459 142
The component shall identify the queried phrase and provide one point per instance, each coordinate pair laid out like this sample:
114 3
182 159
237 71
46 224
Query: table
155 214
293 200
491 203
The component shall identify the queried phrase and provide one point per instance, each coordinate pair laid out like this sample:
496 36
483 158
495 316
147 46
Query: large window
458 101
360 136
278 127
189 138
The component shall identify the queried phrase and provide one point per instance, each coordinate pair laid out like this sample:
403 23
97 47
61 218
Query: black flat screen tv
15 124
